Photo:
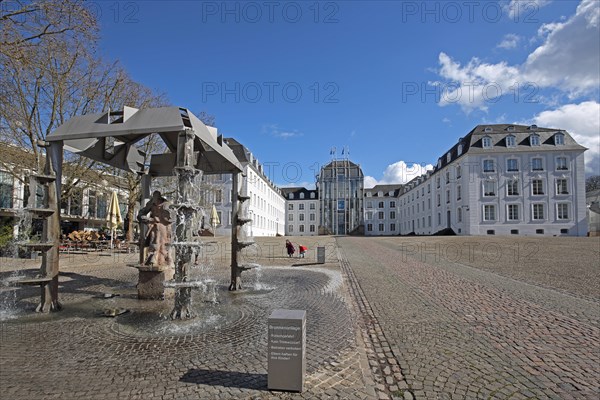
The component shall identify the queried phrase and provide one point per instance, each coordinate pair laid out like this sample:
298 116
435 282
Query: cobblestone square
391 317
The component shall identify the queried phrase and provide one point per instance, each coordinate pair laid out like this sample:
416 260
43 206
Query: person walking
290 248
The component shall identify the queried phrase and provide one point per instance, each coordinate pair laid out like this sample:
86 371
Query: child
290 248
302 250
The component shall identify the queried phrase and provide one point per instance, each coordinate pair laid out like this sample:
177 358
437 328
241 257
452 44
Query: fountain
49 212
192 149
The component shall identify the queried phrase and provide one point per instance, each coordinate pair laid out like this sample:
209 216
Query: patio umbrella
214 219
113 216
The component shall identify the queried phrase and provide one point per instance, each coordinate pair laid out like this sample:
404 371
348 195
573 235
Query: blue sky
395 82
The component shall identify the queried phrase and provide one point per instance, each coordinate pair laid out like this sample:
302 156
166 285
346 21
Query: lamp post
277 226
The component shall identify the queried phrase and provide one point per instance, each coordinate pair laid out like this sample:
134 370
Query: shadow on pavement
241 380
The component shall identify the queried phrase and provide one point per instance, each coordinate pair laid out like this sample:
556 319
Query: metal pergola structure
110 138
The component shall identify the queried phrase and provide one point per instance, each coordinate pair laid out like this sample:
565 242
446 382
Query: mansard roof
296 192
472 142
386 189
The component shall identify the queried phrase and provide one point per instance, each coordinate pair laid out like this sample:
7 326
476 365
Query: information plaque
287 355
321 255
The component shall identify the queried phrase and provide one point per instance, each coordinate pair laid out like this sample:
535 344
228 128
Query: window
459 150
534 140
392 214
559 139
429 220
392 204
539 231
301 217
439 219
301 228
458 171
291 196
537 164
486 142
538 211
537 187
311 217
561 186
448 196
381 228
290 217
489 212
512 212
491 232
458 193
514 231
489 188
312 228
562 211
392 227
369 214
439 199
429 203
448 158
301 206
512 187
312 196
512 165
429 188
92 204
301 195
290 228
290 207
561 164
488 166
459 214
312 206
380 215
511 141
369 227
438 181
369 204
447 177
380 205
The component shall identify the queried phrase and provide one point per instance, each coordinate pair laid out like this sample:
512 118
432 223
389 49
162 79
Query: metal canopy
110 138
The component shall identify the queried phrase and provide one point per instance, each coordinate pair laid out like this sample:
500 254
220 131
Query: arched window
486 142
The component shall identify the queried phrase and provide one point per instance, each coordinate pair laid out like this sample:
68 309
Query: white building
267 205
301 211
381 210
501 180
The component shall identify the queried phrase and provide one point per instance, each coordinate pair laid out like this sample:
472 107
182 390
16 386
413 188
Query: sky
390 84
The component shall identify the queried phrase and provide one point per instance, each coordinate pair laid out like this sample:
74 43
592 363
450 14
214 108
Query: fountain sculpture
192 149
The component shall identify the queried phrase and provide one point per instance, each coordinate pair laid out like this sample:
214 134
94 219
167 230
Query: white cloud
509 41
582 121
569 57
566 60
398 172
275 131
305 184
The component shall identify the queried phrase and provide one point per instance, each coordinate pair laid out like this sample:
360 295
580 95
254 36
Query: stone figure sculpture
157 216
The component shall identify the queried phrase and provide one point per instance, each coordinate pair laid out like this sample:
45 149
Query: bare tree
592 183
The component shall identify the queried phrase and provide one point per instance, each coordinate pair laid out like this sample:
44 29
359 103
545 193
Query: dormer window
301 195
291 196
510 129
448 157
486 142
559 139
534 140
312 195
391 193
439 163
380 194
511 141
459 150
488 129
532 127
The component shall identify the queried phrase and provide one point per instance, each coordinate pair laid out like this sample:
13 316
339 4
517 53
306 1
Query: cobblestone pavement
477 329
220 354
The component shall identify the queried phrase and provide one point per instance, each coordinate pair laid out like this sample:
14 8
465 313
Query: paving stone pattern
456 335
221 354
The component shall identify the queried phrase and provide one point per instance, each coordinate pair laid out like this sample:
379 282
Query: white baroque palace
301 212
500 180
267 205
